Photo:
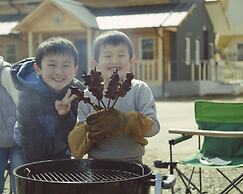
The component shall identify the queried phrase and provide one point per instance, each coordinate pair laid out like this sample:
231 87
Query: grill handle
169 182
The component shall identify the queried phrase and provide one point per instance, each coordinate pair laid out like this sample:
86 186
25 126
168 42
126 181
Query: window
10 53
147 48
205 44
240 52
211 45
212 54
197 52
188 52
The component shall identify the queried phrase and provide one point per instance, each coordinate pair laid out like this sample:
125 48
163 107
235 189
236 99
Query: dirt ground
179 113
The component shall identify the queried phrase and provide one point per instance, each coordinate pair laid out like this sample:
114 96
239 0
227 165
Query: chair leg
200 179
184 179
233 184
191 177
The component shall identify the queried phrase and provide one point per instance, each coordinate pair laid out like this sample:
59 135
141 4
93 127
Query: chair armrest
179 139
208 133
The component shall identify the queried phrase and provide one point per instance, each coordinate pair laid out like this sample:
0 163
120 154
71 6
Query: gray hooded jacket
8 108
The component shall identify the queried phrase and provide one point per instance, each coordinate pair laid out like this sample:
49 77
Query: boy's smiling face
112 57
57 71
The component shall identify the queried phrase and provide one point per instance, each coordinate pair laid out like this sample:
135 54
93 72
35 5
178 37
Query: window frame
141 47
197 52
212 50
188 50
8 55
237 51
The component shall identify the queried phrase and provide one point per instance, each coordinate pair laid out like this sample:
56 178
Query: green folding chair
221 125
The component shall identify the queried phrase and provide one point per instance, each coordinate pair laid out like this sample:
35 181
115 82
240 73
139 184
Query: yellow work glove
78 140
112 123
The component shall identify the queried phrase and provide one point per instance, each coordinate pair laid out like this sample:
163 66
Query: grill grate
88 176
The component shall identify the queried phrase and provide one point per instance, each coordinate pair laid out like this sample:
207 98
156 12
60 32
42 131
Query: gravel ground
212 181
178 113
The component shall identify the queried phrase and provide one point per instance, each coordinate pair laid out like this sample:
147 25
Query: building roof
162 15
78 10
161 8
165 15
8 22
12 17
216 12
73 8
6 27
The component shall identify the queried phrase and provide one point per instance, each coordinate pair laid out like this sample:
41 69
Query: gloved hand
78 140
112 123
95 134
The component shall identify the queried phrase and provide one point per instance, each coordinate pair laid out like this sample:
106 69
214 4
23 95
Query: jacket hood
27 76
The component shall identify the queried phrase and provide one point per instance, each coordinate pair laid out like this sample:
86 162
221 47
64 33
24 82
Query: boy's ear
37 69
133 60
76 68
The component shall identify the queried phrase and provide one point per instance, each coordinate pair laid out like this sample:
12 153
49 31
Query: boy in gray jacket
116 133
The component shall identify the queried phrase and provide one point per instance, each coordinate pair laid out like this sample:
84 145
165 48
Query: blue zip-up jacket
43 133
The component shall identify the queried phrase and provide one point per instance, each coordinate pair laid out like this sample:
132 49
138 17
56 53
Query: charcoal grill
84 176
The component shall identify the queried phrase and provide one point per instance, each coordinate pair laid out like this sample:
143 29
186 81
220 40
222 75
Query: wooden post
199 71
169 71
160 70
89 48
30 44
192 71
40 38
204 70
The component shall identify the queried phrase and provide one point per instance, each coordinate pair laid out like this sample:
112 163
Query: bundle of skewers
94 82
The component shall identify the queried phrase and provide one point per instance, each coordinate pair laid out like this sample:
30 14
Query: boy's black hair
112 37
53 46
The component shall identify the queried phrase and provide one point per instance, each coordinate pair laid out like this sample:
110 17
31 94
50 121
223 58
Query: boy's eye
51 65
107 56
67 65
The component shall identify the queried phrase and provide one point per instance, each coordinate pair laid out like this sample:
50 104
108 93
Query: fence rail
148 71
151 71
230 72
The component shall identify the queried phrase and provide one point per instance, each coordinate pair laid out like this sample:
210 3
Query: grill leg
158 183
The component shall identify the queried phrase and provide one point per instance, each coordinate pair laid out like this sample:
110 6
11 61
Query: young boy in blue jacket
46 110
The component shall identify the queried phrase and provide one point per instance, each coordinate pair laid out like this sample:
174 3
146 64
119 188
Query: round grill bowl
85 176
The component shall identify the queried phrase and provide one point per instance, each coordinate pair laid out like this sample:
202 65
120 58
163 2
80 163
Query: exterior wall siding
193 27
19 41
168 53
146 70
